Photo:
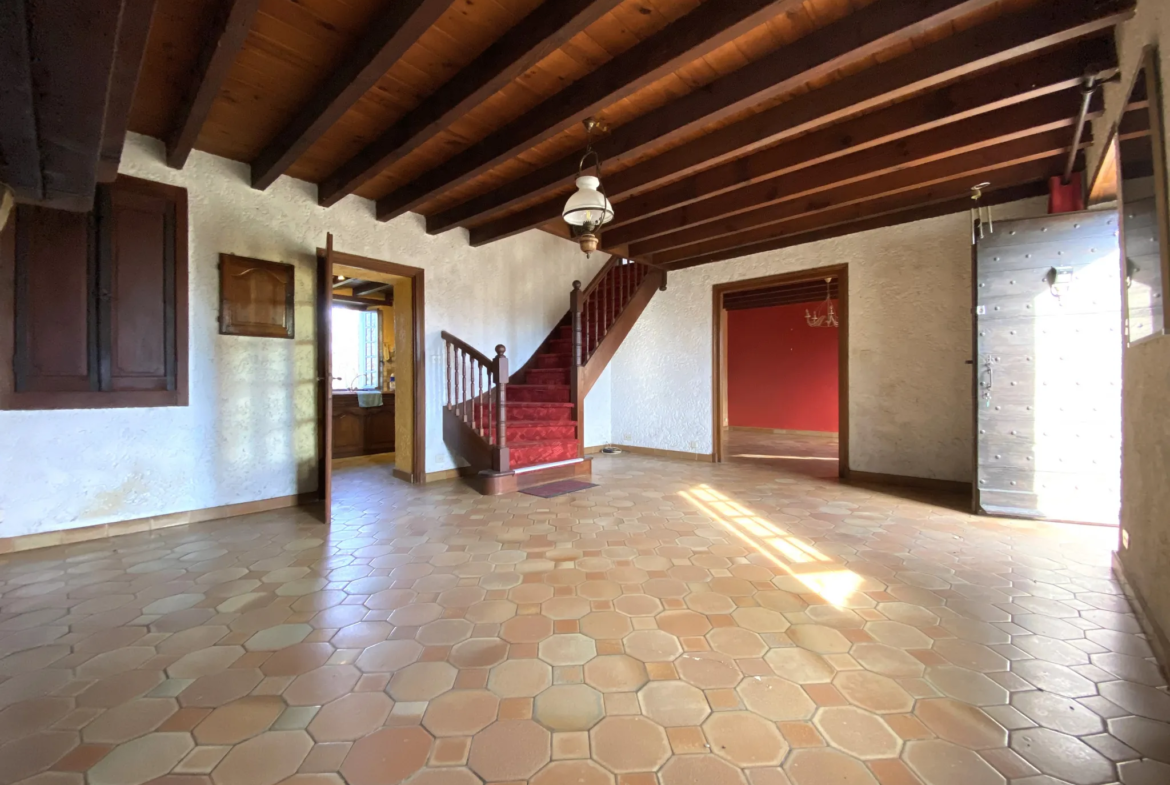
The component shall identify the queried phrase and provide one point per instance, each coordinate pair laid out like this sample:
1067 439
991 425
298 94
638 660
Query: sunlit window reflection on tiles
820 573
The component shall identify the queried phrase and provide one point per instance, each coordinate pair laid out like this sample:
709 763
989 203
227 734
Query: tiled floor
681 624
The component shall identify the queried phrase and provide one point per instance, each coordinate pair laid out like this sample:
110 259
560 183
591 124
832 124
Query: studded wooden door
1048 368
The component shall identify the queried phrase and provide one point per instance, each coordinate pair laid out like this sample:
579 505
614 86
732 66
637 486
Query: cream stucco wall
909 339
1145 468
249 432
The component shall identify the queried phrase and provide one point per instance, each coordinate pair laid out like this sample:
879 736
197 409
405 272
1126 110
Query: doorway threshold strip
559 488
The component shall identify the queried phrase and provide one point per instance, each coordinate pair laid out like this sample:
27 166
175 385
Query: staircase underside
493 484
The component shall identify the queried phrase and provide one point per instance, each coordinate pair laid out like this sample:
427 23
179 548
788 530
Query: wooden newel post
575 308
503 459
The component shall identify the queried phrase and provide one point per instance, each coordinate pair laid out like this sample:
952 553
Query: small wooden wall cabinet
358 431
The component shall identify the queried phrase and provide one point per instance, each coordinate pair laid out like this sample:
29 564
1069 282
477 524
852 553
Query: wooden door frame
418 471
719 351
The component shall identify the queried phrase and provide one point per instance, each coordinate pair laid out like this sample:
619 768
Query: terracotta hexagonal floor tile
577 772
563 608
568 707
128 721
568 649
525 678
278 637
1051 677
350 717
637 605
461 713
829 767
422 681
388 656
818 638
629 744
444 632
969 686
491 612
760 620
960 723
264 760
606 625
708 670
361 635
1148 737
239 720
509 750
800 666
616 673
775 698
684 624
479 653
445 777
942 763
204 662
737 642
298 659
745 739
220 688
874 692
673 703
322 685
652 645
887 660
387 757
527 629
699 770
856 732
143 759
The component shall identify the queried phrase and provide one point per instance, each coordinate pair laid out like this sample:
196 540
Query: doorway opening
781 393
371 371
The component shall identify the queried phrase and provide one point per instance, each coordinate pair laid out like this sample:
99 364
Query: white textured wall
1145 447
909 337
249 432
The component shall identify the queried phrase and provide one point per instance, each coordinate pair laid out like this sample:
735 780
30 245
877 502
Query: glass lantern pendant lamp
588 209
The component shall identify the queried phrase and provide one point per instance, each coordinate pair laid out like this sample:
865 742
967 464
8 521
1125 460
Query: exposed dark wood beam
860 35
891 218
968 53
975 103
371 288
1025 160
346 283
133 30
20 149
674 227
393 32
220 47
543 31
688 38
350 299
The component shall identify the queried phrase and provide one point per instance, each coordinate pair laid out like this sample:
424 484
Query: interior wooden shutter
55 347
136 305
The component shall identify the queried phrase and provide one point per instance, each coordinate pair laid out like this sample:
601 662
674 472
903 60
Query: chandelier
825 315
588 209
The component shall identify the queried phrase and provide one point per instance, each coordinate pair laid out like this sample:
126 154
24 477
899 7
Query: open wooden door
325 378
1048 368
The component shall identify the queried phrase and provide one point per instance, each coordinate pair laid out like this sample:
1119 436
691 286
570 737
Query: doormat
560 488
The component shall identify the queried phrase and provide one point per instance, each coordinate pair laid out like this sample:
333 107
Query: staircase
526 428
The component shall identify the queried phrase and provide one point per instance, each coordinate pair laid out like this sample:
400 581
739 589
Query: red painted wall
781 373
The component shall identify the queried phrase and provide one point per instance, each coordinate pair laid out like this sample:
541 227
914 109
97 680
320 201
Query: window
94 305
357 343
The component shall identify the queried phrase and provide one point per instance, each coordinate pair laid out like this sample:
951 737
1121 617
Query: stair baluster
476 395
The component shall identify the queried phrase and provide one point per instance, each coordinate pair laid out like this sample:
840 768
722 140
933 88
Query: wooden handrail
614 260
476 396
467 348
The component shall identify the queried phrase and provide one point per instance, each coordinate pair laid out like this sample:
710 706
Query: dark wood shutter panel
55 344
136 313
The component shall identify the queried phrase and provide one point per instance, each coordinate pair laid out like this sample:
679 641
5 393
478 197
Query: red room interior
781 373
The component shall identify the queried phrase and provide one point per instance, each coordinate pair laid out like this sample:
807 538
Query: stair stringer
654 281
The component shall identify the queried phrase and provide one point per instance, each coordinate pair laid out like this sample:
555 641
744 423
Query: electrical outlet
1125 539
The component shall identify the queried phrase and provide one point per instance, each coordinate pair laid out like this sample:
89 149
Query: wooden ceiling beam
963 55
20 147
892 217
975 103
684 40
223 42
674 227
1024 160
860 35
543 31
133 31
389 36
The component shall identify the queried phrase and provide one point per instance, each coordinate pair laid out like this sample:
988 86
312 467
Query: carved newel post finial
576 286
500 349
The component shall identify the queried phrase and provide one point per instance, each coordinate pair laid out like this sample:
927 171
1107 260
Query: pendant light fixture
588 209
827 317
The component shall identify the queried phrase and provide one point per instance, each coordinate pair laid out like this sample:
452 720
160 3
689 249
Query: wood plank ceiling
735 127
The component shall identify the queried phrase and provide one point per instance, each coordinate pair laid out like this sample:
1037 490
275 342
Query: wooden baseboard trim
779 431
401 475
28 542
676 455
905 481
595 449
446 474
1159 641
